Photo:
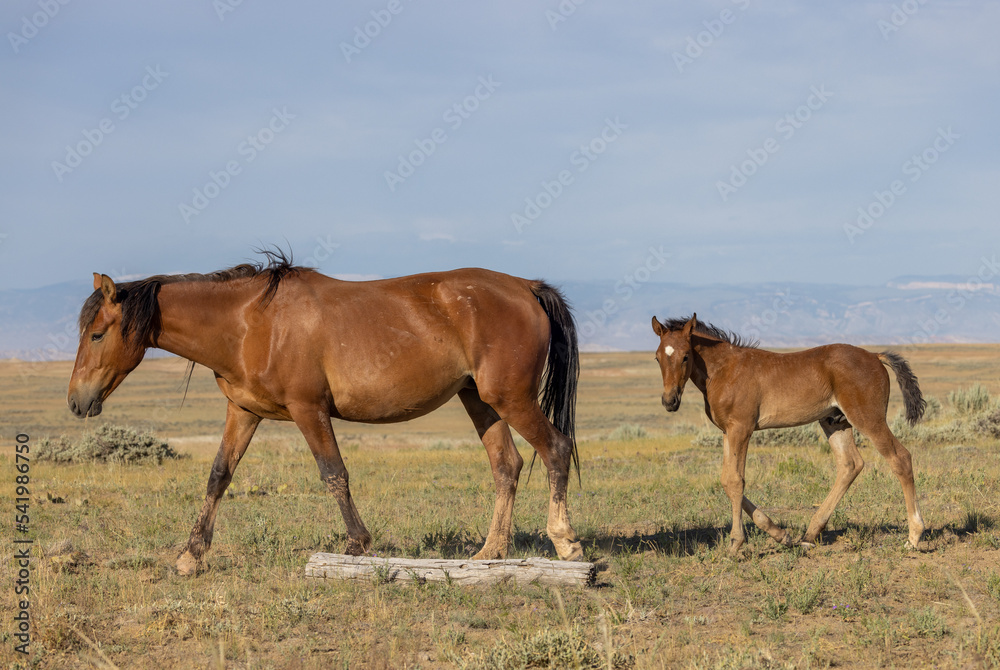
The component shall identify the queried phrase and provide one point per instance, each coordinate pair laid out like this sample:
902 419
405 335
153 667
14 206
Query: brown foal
748 389
290 344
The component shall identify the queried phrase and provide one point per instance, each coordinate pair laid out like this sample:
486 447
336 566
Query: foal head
107 352
676 360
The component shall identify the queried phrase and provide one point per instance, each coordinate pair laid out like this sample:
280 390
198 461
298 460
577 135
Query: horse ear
690 325
658 327
107 287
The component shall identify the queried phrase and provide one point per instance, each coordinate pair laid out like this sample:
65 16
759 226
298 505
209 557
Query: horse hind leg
316 428
505 463
901 464
840 435
556 452
239 430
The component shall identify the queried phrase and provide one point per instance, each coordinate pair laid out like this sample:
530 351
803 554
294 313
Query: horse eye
685 359
97 337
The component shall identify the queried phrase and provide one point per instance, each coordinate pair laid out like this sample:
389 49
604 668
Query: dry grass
651 513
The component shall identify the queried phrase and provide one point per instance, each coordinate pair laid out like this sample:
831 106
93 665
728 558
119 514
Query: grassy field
651 513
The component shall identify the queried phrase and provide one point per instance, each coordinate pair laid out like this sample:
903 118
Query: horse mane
713 332
140 309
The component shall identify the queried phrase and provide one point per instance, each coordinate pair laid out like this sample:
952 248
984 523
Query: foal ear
658 327
690 325
107 287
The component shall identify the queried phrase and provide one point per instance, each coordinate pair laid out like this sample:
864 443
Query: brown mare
748 389
290 344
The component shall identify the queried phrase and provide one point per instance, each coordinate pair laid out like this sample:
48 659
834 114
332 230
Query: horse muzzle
671 402
83 408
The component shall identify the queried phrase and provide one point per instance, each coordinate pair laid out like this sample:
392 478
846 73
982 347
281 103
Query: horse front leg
239 430
314 422
734 455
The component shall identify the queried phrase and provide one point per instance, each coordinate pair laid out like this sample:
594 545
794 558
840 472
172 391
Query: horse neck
710 357
201 321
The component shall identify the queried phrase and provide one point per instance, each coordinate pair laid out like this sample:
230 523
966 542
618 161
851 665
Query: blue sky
744 141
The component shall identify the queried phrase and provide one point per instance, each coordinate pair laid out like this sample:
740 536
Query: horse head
676 360
107 351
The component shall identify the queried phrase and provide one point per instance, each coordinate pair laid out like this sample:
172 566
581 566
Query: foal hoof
188 565
807 545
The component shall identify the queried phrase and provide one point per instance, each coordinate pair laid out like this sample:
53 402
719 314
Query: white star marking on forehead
669 350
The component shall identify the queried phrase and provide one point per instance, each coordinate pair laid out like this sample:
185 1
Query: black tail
562 370
913 399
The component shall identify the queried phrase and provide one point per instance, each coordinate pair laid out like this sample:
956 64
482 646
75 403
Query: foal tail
913 399
562 371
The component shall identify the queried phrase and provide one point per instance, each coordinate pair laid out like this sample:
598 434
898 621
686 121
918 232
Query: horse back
392 349
795 388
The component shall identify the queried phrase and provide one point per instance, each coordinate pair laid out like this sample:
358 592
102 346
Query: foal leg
240 427
901 464
314 422
840 434
506 464
555 450
734 457
763 521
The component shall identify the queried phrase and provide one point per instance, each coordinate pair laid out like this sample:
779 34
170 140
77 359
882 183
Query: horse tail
913 399
562 369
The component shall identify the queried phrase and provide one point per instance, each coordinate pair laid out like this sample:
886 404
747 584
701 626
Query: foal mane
140 309
713 332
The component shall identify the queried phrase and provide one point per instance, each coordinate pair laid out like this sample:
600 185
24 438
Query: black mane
140 309
714 332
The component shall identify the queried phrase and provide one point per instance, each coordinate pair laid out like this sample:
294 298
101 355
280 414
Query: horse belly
794 411
395 394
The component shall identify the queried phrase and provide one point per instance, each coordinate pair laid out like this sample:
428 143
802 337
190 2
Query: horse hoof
570 551
485 554
188 565
355 548
807 545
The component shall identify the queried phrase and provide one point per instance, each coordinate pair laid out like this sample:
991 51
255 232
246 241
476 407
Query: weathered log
520 570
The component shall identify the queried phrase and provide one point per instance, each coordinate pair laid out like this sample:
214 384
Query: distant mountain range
40 324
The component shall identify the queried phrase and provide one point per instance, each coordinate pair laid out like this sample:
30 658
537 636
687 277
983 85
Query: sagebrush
109 443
